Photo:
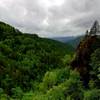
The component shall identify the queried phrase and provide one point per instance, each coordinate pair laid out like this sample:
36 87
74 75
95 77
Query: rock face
83 52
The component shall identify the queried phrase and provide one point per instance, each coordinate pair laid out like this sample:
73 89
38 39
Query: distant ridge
63 39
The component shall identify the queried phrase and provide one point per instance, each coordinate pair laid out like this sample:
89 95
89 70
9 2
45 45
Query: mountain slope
24 58
6 30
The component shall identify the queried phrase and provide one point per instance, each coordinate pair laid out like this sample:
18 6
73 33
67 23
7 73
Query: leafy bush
17 93
53 78
53 88
93 94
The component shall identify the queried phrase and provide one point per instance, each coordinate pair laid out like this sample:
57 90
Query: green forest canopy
34 68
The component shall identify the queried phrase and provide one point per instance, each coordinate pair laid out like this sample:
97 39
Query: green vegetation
95 67
34 68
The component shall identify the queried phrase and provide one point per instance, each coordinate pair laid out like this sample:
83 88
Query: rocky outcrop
83 52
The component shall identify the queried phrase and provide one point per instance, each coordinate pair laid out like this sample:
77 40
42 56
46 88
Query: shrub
93 94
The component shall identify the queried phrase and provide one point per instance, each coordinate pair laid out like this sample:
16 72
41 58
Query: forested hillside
34 68
25 58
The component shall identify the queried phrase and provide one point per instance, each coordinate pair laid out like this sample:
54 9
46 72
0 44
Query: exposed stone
83 52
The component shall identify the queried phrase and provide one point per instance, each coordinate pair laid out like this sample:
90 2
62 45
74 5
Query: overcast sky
50 18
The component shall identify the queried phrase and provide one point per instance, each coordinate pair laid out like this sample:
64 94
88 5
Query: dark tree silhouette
95 28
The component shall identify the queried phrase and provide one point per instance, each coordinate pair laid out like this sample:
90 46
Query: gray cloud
50 17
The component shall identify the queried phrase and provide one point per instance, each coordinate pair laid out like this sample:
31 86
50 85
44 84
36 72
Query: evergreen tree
95 28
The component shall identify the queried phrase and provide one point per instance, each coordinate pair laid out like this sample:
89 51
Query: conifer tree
95 28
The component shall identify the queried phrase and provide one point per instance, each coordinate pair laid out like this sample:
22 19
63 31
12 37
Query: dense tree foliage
25 58
95 67
34 68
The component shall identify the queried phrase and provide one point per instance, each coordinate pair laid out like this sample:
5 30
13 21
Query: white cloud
50 17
